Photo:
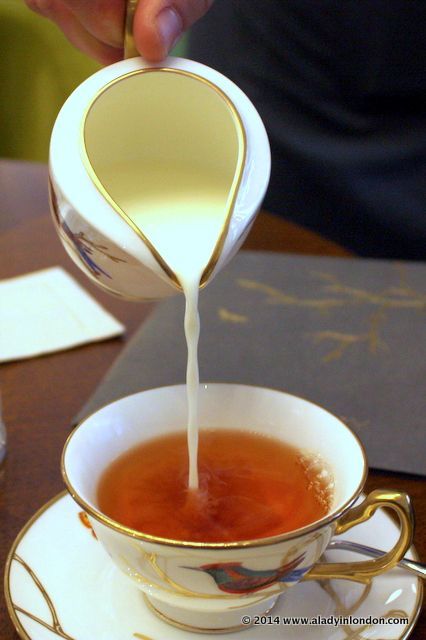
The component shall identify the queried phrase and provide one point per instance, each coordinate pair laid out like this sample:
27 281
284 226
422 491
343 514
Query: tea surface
250 486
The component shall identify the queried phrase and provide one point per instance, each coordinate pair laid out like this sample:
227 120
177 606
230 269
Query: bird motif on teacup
232 577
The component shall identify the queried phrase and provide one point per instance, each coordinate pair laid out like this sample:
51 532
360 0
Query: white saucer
60 583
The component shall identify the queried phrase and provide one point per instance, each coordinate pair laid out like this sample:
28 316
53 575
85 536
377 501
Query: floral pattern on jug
82 246
106 263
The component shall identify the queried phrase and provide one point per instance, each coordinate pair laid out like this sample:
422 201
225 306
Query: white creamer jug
152 165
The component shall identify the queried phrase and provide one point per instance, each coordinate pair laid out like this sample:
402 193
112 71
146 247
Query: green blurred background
39 68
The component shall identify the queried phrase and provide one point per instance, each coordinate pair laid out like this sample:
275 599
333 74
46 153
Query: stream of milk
182 213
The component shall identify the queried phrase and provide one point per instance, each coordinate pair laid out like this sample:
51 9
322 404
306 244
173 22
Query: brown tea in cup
251 486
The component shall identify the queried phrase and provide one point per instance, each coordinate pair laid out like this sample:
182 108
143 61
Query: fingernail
169 26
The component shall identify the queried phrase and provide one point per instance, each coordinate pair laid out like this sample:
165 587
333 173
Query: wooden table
40 396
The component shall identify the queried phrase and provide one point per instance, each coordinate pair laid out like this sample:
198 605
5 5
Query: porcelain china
148 129
211 585
60 583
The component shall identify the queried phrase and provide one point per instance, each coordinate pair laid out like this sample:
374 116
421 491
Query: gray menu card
348 334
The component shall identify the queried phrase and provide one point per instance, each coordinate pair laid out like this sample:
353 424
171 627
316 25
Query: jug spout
156 170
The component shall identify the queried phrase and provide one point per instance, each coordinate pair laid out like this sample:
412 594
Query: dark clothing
341 88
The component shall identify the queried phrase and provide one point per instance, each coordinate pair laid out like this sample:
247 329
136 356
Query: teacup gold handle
365 570
130 50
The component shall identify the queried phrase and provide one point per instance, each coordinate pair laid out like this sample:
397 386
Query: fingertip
148 45
169 27
156 34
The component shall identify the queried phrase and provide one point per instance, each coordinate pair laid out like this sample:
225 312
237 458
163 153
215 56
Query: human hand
96 26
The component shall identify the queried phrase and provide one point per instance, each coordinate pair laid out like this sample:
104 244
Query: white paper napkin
49 311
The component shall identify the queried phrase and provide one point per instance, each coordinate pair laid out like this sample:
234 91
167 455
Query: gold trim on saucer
233 192
55 627
415 611
11 607
13 610
345 612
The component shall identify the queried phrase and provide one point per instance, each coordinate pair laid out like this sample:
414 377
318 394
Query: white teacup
164 569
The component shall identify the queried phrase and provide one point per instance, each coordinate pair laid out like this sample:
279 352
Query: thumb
158 24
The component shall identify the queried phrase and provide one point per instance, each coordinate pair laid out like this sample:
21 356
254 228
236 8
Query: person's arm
96 26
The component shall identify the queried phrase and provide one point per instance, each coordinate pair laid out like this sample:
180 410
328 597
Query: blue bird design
232 577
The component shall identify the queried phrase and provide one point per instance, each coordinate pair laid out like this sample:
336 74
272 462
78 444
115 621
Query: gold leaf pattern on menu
229 316
337 294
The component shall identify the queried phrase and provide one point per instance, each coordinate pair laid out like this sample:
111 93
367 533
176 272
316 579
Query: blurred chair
39 68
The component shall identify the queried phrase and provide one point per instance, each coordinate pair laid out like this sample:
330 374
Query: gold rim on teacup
378 498
164 568
259 542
